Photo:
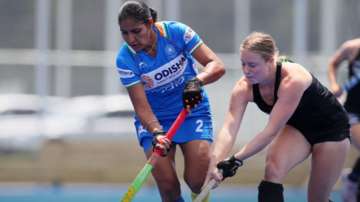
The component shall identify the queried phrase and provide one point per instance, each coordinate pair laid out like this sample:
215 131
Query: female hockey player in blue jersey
156 64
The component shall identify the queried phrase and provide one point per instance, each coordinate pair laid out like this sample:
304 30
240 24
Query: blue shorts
193 128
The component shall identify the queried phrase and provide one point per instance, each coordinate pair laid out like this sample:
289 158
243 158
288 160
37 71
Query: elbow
332 65
220 70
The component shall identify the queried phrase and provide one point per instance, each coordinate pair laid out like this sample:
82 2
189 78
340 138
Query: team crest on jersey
142 64
147 81
170 51
189 34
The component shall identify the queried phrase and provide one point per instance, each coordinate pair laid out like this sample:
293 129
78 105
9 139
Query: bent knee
273 171
195 180
195 185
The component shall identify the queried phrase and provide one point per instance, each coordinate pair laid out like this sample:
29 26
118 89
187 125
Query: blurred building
67 47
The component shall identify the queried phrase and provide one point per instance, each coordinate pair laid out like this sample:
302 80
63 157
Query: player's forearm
254 146
143 109
223 145
213 71
148 120
332 73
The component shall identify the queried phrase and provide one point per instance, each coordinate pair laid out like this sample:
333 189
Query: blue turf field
109 193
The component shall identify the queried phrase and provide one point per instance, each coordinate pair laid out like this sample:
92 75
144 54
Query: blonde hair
260 43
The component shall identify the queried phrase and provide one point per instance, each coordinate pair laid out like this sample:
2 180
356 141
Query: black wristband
237 161
198 81
160 132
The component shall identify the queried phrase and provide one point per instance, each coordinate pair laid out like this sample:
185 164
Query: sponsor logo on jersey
125 74
166 73
142 64
189 34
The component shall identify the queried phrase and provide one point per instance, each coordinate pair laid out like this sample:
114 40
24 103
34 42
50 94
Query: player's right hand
161 143
229 166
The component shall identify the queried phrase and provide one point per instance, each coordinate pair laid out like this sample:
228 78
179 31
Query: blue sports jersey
164 75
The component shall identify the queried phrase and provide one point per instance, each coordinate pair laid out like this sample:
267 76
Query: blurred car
110 115
27 120
116 117
22 119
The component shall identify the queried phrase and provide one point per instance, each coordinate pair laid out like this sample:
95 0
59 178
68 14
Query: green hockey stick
146 170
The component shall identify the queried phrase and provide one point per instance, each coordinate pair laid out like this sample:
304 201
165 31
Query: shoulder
124 51
354 43
178 29
295 78
242 91
125 59
182 35
167 27
174 25
350 48
123 55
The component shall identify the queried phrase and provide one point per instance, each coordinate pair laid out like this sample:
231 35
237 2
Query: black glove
192 93
159 145
229 166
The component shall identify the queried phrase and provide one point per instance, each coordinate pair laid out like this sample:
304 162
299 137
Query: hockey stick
146 170
204 192
206 189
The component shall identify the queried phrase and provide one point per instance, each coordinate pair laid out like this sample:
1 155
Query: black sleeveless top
352 103
318 112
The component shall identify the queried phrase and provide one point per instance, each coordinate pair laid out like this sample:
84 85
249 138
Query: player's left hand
192 93
229 166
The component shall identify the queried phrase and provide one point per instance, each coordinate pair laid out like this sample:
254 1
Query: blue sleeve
184 35
127 68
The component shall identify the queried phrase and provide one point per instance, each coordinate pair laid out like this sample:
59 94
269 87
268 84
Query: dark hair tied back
153 14
137 10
